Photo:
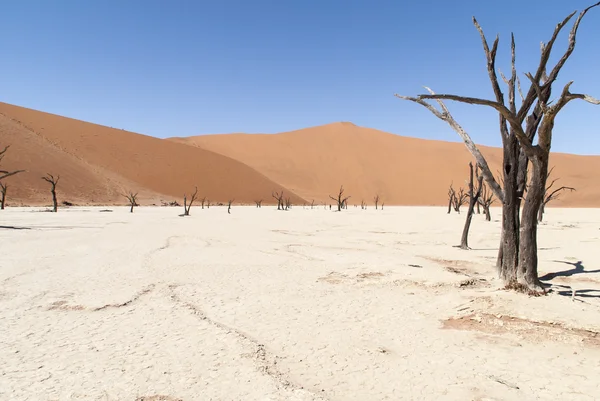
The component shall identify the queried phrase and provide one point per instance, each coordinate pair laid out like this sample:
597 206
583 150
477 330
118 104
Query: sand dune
314 162
96 163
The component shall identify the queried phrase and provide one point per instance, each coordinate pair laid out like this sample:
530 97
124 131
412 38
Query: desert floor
298 305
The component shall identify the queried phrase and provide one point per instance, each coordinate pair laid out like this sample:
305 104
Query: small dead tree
279 197
550 194
451 198
312 204
3 189
363 205
52 181
376 199
460 199
208 203
186 207
473 198
132 198
203 201
258 203
485 200
5 174
288 203
340 200
382 205
229 206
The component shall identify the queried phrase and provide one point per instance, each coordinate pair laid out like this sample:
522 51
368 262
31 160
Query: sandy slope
299 305
315 161
96 163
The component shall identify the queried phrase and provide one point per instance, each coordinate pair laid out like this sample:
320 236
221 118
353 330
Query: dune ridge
97 164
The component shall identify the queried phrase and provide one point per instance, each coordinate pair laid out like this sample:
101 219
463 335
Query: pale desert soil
298 305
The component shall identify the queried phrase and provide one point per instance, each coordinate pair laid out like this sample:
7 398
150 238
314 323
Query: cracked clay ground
298 305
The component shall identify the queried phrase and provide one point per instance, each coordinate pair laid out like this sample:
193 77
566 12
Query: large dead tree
519 126
279 197
52 181
340 200
473 198
186 207
551 194
132 199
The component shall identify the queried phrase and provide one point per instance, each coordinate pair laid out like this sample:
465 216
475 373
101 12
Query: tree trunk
131 210
473 200
449 205
528 261
478 210
3 200
540 212
54 201
486 210
508 254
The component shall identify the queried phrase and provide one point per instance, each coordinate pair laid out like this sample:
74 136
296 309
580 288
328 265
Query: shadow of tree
578 268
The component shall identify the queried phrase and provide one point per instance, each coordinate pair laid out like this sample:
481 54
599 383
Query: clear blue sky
178 68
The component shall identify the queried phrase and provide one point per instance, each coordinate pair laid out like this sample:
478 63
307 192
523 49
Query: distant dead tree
208 203
340 200
473 199
451 197
203 201
376 199
5 174
460 198
258 203
485 200
229 206
279 197
312 204
363 205
186 207
288 203
52 181
550 195
3 189
132 198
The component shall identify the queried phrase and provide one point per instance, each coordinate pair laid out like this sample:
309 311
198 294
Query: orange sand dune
97 164
314 162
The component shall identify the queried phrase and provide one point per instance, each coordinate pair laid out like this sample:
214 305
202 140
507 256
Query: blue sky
178 68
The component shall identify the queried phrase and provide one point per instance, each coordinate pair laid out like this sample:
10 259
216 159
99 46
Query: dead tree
340 200
312 204
186 207
52 181
485 200
288 203
5 174
517 257
203 201
258 203
451 198
363 205
376 199
382 205
473 198
229 206
550 194
460 199
3 189
132 198
279 197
